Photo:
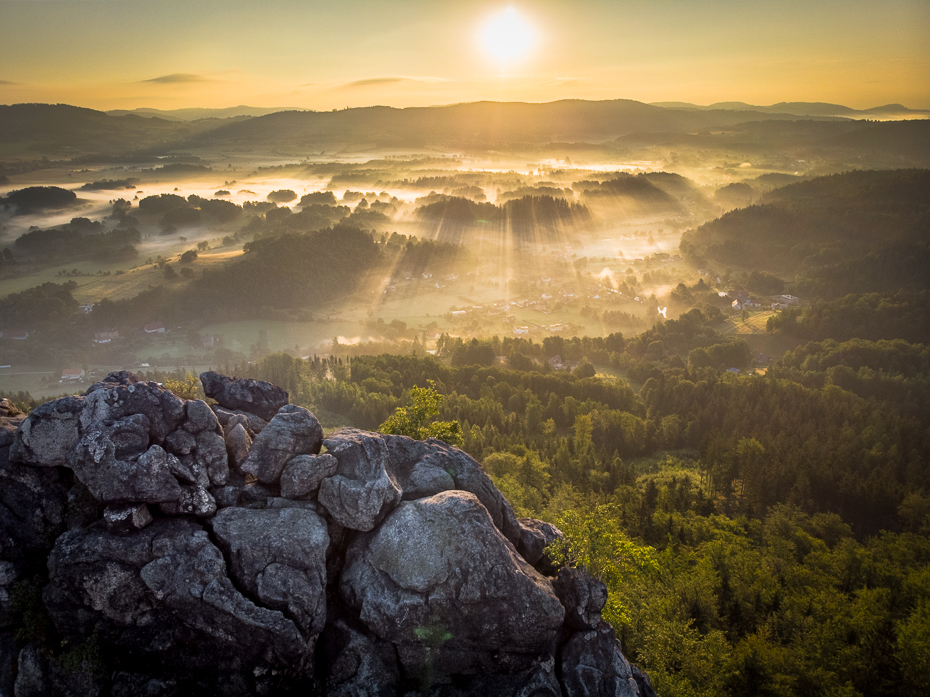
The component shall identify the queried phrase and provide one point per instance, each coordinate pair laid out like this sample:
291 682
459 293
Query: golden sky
168 54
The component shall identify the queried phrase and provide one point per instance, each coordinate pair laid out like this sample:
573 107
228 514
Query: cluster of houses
743 301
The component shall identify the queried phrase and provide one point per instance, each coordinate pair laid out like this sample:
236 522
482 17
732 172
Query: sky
170 54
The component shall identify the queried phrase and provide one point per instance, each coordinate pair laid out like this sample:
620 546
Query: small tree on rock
414 419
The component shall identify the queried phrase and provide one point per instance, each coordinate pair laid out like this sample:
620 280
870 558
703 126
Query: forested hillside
858 232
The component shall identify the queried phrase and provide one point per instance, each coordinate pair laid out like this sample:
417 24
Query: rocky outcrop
254 396
153 545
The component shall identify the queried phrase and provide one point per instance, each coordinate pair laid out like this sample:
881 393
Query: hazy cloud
368 82
175 78
8 82
376 81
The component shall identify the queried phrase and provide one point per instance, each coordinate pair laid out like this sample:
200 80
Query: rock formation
156 546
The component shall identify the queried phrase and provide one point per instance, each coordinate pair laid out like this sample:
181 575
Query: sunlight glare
507 36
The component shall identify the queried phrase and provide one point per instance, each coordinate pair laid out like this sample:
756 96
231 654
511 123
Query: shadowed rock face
385 566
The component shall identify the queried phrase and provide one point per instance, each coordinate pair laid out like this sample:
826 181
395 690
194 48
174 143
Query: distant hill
854 232
884 144
473 124
67 130
896 111
61 129
196 114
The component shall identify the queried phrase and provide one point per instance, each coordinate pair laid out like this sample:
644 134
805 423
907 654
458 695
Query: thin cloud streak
176 78
374 81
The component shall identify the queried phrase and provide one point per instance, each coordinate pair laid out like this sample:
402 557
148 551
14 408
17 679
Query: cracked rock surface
176 547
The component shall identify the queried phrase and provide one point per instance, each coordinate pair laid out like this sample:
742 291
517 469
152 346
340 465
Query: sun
507 37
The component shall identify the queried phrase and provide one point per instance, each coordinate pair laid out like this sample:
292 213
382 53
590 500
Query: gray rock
254 493
200 417
32 676
187 470
303 474
126 518
582 596
255 396
127 684
535 536
439 581
277 502
363 490
279 556
130 436
193 500
48 433
293 431
228 418
159 592
124 394
593 664
33 501
110 480
226 496
358 663
370 464
180 442
211 452
238 444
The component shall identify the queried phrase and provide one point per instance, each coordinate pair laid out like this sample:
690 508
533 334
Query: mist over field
471 234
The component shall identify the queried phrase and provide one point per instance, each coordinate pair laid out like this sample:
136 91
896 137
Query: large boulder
210 452
535 536
161 599
238 444
303 474
48 433
279 557
148 478
362 491
200 417
254 396
439 581
123 394
376 470
293 431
